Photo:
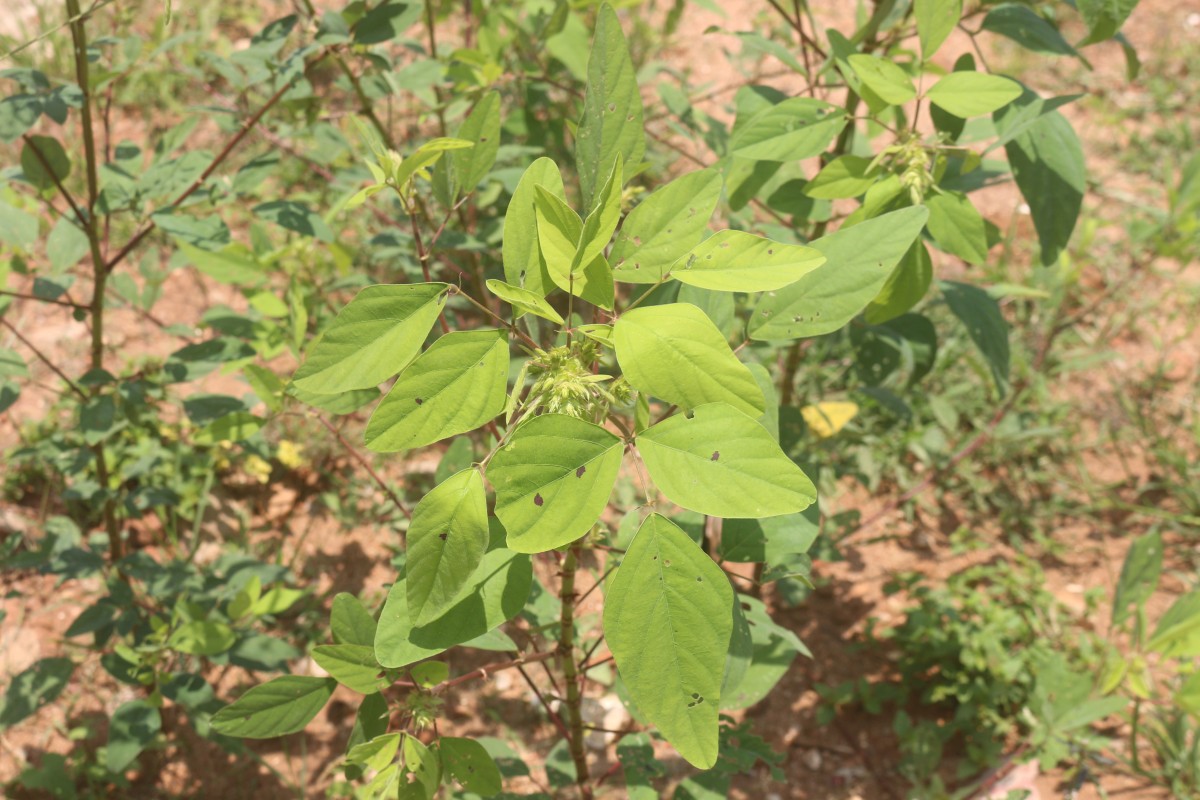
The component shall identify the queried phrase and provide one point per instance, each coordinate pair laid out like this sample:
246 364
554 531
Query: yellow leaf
826 419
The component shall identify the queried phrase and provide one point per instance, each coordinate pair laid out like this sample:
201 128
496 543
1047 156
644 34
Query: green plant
643 380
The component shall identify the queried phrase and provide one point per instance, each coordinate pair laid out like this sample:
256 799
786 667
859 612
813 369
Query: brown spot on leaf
579 472
443 536
537 500
419 401
716 456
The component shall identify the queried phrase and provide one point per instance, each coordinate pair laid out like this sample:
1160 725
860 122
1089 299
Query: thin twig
43 358
362 460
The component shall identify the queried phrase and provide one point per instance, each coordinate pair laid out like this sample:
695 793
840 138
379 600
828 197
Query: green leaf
18 112
295 217
350 622
735 261
668 621
639 766
468 762
980 313
132 726
447 538
455 386
44 162
973 94
202 638
1104 17
523 263
495 594
723 463
559 230
65 245
386 21
1027 28
553 480
482 128
792 130
600 223
766 384
845 176
17 228
375 754
352 665
858 262
524 301
372 338
676 353
936 20
612 108
664 226
957 227
1047 163
1177 634
236 427
425 156
888 81
207 233
278 707
774 650
423 768
235 263
905 287
1139 575
769 540
37 686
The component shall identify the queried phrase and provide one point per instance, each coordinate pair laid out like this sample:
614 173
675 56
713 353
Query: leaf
423 770
234 264
1177 634
44 162
668 621
553 480
447 538
600 223
664 226
981 315
469 763
482 128
1047 164
638 765
455 386
230 428
202 638
826 419
372 338
936 20
1027 28
278 707
18 112
774 650
524 301
858 262
957 227
1104 17
791 130
65 245
206 233
523 264
845 176
385 22
723 463
612 108
559 230
770 540
17 228
495 594
350 622
905 287
888 81
973 94
295 217
352 665
37 686
1139 575
735 261
426 156
676 353
131 727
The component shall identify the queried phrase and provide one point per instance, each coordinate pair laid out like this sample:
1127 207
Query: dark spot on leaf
579 472
666 562
699 579
716 456
537 500
419 401
443 536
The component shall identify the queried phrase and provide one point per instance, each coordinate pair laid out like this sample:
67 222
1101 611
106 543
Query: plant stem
1134 733
566 650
